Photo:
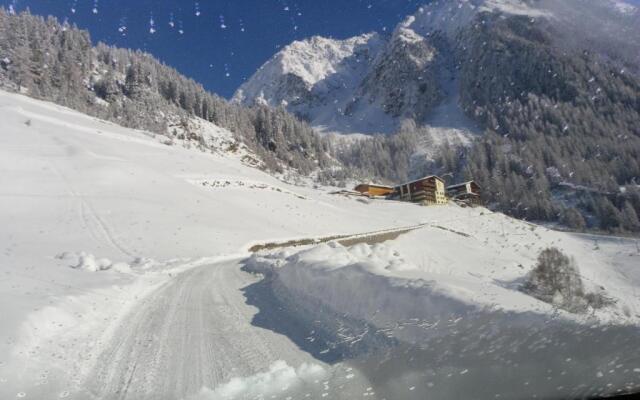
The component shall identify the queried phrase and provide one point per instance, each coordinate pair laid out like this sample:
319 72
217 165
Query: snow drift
423 331
280 378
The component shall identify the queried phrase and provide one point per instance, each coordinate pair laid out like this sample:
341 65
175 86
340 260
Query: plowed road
194 331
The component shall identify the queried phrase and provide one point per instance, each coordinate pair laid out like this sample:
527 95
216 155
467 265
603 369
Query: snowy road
192 332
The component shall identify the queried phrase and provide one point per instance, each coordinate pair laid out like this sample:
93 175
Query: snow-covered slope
80 195
119 257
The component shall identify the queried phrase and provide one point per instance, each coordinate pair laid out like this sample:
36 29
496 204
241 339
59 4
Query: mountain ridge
361 107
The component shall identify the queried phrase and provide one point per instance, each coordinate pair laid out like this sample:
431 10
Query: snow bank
360 282
435 327
281 378
89 262
380 286
139 265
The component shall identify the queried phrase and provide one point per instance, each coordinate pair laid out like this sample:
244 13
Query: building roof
422 179
466 194
457 185
375 185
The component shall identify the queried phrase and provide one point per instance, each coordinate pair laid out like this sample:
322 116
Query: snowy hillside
121 260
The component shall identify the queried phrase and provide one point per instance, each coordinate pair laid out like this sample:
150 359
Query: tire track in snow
196 330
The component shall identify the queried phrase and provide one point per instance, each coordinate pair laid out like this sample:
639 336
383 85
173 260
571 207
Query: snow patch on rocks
514 7
449 16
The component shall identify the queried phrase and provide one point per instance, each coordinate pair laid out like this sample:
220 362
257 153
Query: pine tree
572 218
630 218
609 215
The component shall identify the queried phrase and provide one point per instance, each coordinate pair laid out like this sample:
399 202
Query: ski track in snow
97 227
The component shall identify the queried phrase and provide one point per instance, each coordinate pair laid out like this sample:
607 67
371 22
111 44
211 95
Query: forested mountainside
553 88
554 119
52 61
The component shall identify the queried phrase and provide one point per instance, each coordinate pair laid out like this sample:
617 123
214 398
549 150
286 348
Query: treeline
378 157
57 62
409 153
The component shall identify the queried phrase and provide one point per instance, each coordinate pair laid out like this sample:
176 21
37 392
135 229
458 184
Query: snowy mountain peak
315 59
366 84
296 69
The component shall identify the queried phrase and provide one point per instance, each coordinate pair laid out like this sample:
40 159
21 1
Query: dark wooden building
429 190
467 192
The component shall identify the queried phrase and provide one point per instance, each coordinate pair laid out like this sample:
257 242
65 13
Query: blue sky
229 39
223 41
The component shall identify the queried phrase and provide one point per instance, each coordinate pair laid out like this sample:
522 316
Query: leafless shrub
556 280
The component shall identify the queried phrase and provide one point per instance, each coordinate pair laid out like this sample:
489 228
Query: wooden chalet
371 189
466 192
429 190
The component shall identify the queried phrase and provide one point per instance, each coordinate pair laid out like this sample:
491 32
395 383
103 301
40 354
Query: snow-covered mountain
323 80
317 78
371 83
